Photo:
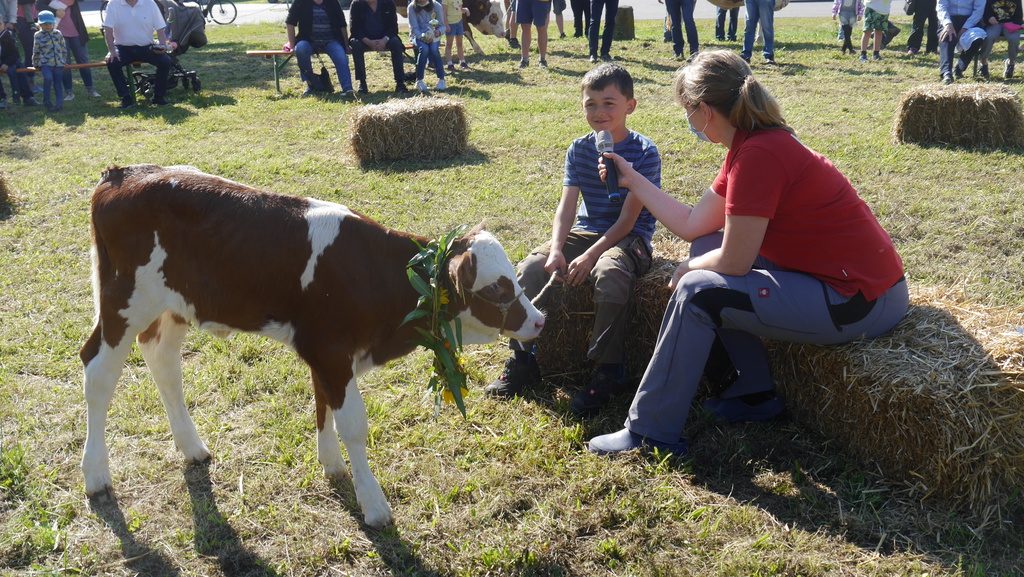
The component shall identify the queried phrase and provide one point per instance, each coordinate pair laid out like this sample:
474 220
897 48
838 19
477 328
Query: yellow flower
443 296
449 397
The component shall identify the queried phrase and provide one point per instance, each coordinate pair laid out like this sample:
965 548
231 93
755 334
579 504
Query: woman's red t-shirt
817 223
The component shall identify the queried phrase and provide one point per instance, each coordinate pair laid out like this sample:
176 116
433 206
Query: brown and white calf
484 15
173 246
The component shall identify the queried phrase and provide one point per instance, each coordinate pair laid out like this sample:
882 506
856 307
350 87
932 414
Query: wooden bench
128 76
280 62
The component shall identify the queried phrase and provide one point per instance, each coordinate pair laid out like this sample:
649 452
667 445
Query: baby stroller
187 27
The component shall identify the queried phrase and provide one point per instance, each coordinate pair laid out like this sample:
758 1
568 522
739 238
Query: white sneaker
91 93
69 97
422 86
441 85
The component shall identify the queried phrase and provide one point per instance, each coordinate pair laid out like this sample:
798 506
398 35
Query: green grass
510 490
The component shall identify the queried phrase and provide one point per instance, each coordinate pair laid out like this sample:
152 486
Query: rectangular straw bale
420 128
963 115
936 405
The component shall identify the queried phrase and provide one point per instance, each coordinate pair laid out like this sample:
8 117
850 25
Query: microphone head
605 143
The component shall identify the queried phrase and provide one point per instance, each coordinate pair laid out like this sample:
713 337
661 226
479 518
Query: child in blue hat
50 56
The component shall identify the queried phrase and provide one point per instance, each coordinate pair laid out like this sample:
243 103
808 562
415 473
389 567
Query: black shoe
593 59
362 87
607 57
769 62
126 102
160 101
745 58
513 43
597 394
30 101
515 378
400 88
983 70
947 78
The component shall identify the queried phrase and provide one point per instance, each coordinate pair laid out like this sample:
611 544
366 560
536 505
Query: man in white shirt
128 31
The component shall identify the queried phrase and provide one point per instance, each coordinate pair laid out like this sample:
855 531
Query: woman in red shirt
782 248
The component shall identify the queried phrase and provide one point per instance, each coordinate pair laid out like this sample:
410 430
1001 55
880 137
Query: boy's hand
579 269
555 263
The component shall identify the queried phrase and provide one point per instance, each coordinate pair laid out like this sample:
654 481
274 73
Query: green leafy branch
443 335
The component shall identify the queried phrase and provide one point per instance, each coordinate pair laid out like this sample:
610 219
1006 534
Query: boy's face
606 109
46 26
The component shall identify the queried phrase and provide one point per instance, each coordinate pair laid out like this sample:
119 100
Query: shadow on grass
213 535
138 557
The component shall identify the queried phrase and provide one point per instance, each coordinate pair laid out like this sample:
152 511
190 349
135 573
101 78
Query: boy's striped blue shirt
596 213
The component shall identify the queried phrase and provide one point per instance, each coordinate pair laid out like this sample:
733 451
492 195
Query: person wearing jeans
760 12
610 8
72 26
925 27
322 29
956 17
680 12
128 32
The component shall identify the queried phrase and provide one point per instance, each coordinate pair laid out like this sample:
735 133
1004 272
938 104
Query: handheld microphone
611 178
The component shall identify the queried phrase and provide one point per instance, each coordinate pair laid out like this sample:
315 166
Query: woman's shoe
626 440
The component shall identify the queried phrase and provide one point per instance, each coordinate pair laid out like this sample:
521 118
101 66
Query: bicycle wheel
222 11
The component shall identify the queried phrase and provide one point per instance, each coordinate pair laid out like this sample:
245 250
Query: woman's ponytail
723 80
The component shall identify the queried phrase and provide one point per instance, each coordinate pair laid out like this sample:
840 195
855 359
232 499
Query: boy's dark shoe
515 378
596 395
126 102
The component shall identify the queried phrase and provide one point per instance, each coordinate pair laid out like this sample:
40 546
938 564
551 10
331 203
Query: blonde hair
723 81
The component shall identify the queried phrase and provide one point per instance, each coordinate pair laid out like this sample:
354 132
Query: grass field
510 490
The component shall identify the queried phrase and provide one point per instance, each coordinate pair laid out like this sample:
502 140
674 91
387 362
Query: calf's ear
478 228
462 271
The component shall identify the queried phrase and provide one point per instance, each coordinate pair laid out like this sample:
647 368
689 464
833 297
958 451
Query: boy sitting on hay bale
610 243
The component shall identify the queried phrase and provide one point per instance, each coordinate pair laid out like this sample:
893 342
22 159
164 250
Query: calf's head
487 16
484 281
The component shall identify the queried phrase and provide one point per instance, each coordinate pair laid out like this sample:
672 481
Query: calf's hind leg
161 347
103 366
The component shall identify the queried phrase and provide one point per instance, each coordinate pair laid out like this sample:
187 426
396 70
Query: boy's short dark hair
606 74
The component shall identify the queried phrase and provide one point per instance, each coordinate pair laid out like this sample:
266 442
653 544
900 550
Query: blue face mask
698 133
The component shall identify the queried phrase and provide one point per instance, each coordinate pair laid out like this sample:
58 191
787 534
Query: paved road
253 12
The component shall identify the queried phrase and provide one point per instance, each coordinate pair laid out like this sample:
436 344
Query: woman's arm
685 222
742 242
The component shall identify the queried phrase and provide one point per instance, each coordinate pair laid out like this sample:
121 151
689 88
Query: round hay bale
962 115
420 128
727 4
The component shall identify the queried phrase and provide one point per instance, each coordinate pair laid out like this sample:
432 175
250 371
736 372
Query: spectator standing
876 23
50 56
453 31
27 14
760 13
849 13
374 28
680 14
558 7
956 18
610 9
720 15
580 17
925 27
534 14
72 26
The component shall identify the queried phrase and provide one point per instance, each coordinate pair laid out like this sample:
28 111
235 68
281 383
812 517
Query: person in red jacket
782 248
